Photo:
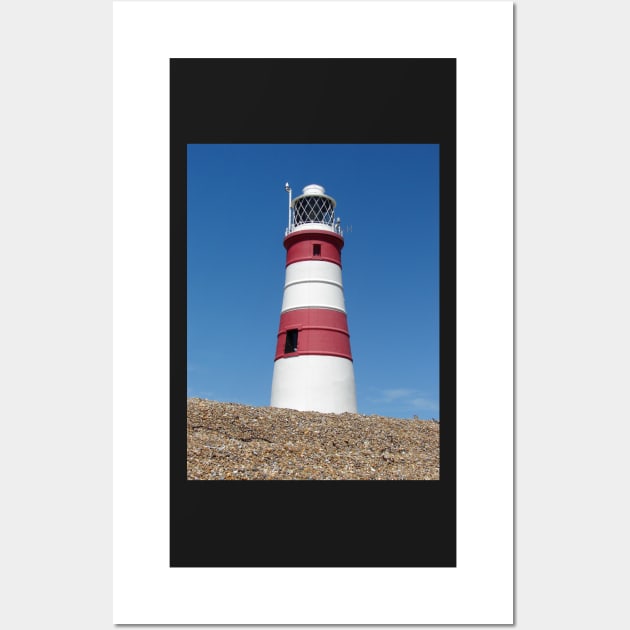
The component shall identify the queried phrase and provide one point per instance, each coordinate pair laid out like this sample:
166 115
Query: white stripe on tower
310 284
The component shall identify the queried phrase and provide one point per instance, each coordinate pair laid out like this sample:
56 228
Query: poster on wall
307 325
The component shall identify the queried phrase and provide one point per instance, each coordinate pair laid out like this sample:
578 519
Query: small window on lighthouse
291 343
317 250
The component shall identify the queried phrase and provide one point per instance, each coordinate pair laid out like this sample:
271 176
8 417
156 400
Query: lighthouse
313 369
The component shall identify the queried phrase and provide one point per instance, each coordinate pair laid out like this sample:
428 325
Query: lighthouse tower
313 368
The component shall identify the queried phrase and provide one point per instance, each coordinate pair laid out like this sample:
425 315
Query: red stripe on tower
315 331
313 245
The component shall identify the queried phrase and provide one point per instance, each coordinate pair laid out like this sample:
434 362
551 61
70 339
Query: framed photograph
208 97
357 120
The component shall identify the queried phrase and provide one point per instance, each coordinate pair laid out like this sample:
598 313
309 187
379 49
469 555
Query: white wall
314 383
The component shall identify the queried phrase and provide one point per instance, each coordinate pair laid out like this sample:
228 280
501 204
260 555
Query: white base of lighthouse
314 383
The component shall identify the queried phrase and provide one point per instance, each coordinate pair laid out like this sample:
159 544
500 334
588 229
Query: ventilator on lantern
313 369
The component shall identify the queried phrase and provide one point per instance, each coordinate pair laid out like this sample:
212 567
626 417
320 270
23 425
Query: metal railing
335 226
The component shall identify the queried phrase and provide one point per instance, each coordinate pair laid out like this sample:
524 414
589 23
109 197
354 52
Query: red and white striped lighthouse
313 369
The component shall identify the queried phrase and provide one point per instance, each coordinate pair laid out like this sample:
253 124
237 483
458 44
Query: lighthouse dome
313 189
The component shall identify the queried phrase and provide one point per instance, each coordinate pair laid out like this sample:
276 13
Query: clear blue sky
237 215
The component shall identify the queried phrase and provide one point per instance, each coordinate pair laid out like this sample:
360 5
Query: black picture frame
313 523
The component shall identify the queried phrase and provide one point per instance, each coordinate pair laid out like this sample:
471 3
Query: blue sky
237 215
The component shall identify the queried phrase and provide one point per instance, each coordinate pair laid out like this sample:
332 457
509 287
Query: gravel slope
233 441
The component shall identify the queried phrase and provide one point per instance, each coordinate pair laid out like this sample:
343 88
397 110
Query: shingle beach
233 441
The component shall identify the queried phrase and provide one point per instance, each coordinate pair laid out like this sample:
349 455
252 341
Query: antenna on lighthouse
288 189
